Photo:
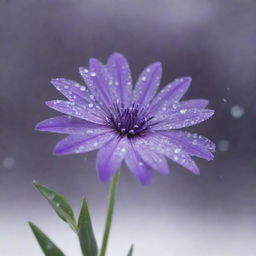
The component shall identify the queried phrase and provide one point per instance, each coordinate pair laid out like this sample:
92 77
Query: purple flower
137 125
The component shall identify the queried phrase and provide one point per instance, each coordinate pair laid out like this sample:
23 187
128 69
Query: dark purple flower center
130 121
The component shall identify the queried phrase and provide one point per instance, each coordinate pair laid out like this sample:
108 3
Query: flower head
137 125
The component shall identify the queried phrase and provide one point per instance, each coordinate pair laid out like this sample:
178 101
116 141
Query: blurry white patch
224 100
223 145
237 111
8 162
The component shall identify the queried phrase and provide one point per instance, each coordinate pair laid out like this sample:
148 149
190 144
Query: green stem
111 204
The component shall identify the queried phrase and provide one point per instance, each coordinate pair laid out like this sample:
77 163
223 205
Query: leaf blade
130 251
46 244
58 203
85 232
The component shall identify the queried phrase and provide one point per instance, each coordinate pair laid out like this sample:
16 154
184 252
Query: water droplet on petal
183 111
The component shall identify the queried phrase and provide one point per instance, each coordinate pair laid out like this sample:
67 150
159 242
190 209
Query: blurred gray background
182 214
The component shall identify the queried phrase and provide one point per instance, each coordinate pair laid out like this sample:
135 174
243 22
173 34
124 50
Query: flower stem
111 204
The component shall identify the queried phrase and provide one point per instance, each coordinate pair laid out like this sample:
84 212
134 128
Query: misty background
214 42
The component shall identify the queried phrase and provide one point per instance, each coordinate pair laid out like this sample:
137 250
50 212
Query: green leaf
85 232
59 204
130 251
47 246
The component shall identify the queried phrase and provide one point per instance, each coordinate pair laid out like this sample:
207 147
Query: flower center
130 121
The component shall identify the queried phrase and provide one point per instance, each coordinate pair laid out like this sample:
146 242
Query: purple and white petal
71 89
187 104
160 145
110 157
66 125
181 119
153 159
193 144
78 94
170 95
70 108
119 79
147 84
77 143
139 168
99 78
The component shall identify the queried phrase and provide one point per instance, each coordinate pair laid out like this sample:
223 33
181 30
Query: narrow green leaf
85 232
59 204
130 251
47 246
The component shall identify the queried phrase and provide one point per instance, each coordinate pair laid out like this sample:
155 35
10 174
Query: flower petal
77 93
141 170
71 89
66 125
153 159
98 74
193 144
183 118
195 103
170 94
110 157
160 145
77 143
147 84
120 80
70 108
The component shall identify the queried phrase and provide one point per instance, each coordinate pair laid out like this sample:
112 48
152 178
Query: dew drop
93 74
82 88
123 150
90 105
183 111
177 150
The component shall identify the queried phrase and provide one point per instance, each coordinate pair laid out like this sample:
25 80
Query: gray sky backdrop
182 214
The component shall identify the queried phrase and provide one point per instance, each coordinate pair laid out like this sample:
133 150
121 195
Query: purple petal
195 103
110 157
193 144
71 89
183 118
147 84
66 125
170 94
77 93
153 159
161 145
120 82
77 144
98 74
70 108
141 170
